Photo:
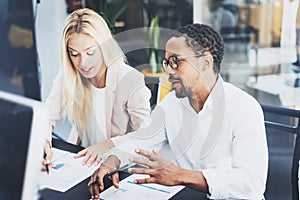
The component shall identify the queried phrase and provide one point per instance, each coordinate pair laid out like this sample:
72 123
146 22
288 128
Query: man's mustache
172 78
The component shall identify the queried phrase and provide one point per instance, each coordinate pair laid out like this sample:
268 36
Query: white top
226 140
99 107
97 118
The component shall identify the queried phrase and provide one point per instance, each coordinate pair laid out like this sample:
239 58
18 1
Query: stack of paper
129 190
68 172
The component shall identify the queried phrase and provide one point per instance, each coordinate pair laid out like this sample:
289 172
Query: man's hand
48 154
94 152
161 170
96 184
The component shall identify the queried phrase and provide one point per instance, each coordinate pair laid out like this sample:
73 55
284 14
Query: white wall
50 17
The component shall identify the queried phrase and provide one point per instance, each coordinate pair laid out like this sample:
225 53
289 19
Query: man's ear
207 61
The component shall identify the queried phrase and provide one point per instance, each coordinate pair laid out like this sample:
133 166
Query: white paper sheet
71 173
129 190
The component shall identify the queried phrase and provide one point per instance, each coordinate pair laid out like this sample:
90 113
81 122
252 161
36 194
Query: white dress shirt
226 140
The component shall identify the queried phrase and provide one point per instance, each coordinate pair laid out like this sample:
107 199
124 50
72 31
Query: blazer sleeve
138 102
54 101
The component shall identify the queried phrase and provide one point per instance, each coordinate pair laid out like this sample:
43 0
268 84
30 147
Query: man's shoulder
239 98
233 90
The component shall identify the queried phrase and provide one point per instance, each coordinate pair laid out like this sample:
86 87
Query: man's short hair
201 37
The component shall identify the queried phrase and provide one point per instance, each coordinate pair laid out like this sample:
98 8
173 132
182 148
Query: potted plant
110 10
155 58
154 52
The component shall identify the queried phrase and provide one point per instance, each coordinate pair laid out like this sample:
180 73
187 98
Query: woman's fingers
81 153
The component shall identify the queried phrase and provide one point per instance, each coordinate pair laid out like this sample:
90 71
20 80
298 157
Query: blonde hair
77 92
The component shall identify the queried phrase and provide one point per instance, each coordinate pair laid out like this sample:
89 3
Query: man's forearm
193 179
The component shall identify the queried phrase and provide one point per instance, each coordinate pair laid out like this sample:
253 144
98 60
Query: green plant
110 10
154 52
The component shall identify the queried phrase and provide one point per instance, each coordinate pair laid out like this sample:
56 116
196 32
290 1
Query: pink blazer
126 99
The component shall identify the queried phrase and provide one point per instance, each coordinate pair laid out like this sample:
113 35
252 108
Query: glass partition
18 59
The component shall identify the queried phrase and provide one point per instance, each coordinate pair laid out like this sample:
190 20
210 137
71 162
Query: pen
116 170
121 169
47 164
47 168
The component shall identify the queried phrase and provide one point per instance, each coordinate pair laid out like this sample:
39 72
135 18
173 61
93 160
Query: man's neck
199 97
197 101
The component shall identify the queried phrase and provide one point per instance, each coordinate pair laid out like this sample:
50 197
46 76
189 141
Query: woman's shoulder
123 70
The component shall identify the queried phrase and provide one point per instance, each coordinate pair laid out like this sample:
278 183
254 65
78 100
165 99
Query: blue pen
147 186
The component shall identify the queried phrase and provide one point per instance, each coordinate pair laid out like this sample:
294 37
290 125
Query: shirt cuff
123 156
214 184
118 139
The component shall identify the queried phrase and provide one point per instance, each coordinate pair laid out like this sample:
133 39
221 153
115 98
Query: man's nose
170 70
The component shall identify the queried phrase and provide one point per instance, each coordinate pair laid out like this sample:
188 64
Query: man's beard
181 91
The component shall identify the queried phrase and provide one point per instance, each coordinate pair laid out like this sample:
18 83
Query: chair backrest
282 127
153 83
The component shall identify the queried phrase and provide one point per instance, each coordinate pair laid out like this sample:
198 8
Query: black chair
153 83
282 127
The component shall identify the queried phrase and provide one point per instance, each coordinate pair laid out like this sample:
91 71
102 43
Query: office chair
282 128
153 83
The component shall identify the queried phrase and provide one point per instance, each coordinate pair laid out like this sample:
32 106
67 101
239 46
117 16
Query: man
210 134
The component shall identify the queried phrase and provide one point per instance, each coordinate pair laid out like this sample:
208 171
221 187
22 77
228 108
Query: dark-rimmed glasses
173 61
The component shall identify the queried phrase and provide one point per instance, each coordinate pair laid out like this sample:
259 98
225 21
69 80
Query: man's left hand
160 169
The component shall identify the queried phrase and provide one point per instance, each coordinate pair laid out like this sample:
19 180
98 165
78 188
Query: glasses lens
165 64
173 61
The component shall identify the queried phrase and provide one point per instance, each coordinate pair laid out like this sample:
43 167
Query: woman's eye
72 53
90 53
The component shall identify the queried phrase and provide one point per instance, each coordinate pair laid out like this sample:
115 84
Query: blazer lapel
111 83
215 130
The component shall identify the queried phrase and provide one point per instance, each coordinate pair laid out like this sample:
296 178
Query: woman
101 95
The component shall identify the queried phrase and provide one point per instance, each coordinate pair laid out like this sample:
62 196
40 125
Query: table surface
80 190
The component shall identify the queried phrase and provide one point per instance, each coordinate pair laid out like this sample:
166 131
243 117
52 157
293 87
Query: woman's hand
94 152
96 184
48 154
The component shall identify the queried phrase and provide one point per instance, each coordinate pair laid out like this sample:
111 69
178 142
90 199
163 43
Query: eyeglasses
174 60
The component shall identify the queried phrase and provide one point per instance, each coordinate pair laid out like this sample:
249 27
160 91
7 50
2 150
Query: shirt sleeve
152 136
245 178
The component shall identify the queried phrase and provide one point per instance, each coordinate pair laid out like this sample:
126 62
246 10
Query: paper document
129 190
67 173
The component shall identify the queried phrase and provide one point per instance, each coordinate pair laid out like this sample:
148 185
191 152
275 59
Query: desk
80 190
280 85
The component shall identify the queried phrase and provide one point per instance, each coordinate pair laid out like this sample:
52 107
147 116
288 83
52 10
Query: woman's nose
83 60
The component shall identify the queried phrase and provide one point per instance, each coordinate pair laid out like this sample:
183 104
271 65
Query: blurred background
262 51
262 42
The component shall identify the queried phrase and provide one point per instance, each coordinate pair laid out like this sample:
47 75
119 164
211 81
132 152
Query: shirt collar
214 94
